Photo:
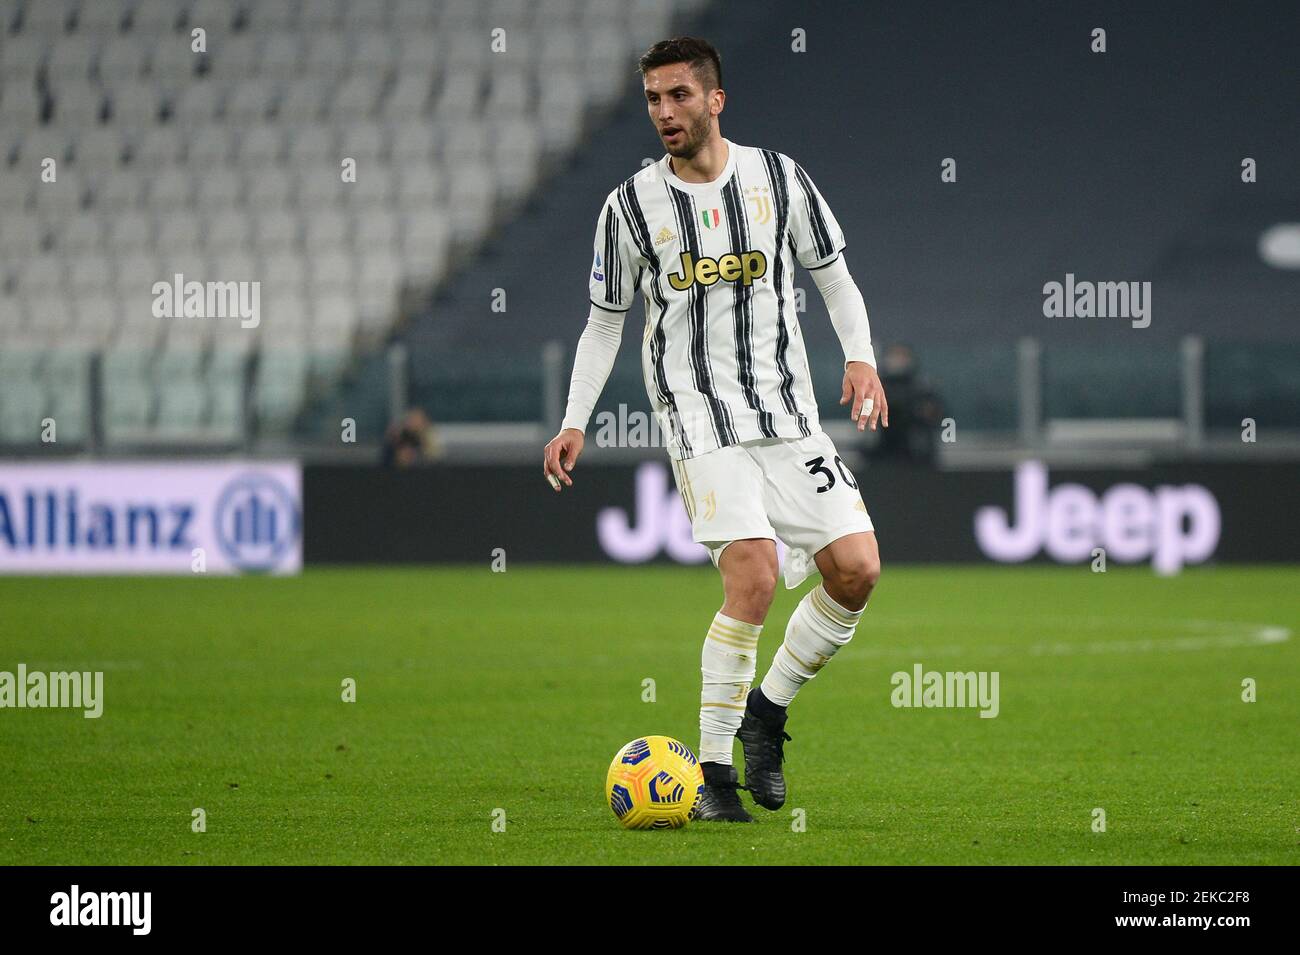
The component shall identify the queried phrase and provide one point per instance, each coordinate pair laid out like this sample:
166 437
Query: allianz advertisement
220 517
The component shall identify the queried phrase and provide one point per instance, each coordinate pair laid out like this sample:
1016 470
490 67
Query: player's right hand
561 455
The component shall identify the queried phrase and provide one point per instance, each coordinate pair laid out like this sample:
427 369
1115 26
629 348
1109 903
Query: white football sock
727 666
818 627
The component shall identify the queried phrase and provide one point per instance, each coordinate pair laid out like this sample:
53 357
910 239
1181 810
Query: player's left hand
862 385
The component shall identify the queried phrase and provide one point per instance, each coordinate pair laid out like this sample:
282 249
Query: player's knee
752 586
856 578
755 589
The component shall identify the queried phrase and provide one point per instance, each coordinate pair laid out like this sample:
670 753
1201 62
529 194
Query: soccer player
708 237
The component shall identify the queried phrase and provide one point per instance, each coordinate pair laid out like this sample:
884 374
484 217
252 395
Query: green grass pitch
481 691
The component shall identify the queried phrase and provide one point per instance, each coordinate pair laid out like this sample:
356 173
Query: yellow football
654 782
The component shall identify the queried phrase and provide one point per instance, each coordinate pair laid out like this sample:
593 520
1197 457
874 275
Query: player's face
681 111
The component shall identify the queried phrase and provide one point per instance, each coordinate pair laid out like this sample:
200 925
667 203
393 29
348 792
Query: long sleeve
597 349
847 310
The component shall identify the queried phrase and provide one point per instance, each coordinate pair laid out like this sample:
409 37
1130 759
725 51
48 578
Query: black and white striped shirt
721 353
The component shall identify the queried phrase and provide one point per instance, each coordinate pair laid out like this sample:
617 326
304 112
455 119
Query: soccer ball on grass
654 782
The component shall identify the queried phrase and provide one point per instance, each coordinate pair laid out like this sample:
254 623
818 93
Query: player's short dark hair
698 53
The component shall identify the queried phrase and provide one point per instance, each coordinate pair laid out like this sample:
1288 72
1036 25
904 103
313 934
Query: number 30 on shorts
818 466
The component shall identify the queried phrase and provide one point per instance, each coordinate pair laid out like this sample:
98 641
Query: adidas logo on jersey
665 235
746 267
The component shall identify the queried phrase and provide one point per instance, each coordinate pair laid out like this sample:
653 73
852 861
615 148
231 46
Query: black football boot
720 800
762 734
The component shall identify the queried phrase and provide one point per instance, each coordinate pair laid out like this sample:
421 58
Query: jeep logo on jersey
746 267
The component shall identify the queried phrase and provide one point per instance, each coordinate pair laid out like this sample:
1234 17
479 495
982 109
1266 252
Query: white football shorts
797 490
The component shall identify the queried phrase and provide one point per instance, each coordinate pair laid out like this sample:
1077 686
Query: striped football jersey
721 352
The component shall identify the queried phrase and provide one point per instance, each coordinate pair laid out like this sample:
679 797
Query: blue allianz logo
257 522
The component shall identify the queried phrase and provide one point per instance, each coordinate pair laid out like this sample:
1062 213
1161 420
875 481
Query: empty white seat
157 16
367 15
419 184
102 18
333 316
198 103
171 188
271 188
66 194
260 144
49 17
280 55
408 97
120 188
77 102
373 53
304 99
418 54
173 60
20 232
79 235
20 102
321 15
312 143
50 309
509 94
157 146
286 276
274 229
357 97
135 103
98 149
129 231
69 406
90 274
327 54
41 143
330 272
72 57
22 406
412 142
209 145
226 408
219 188
24 55
176 361
128 408
321 185
229 229
326 229
460 97
465 49
272 15
412 16
215 16
468 145
375 185
377 229
178 231
249 102
363 140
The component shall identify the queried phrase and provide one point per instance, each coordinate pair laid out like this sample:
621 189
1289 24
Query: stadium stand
225 162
